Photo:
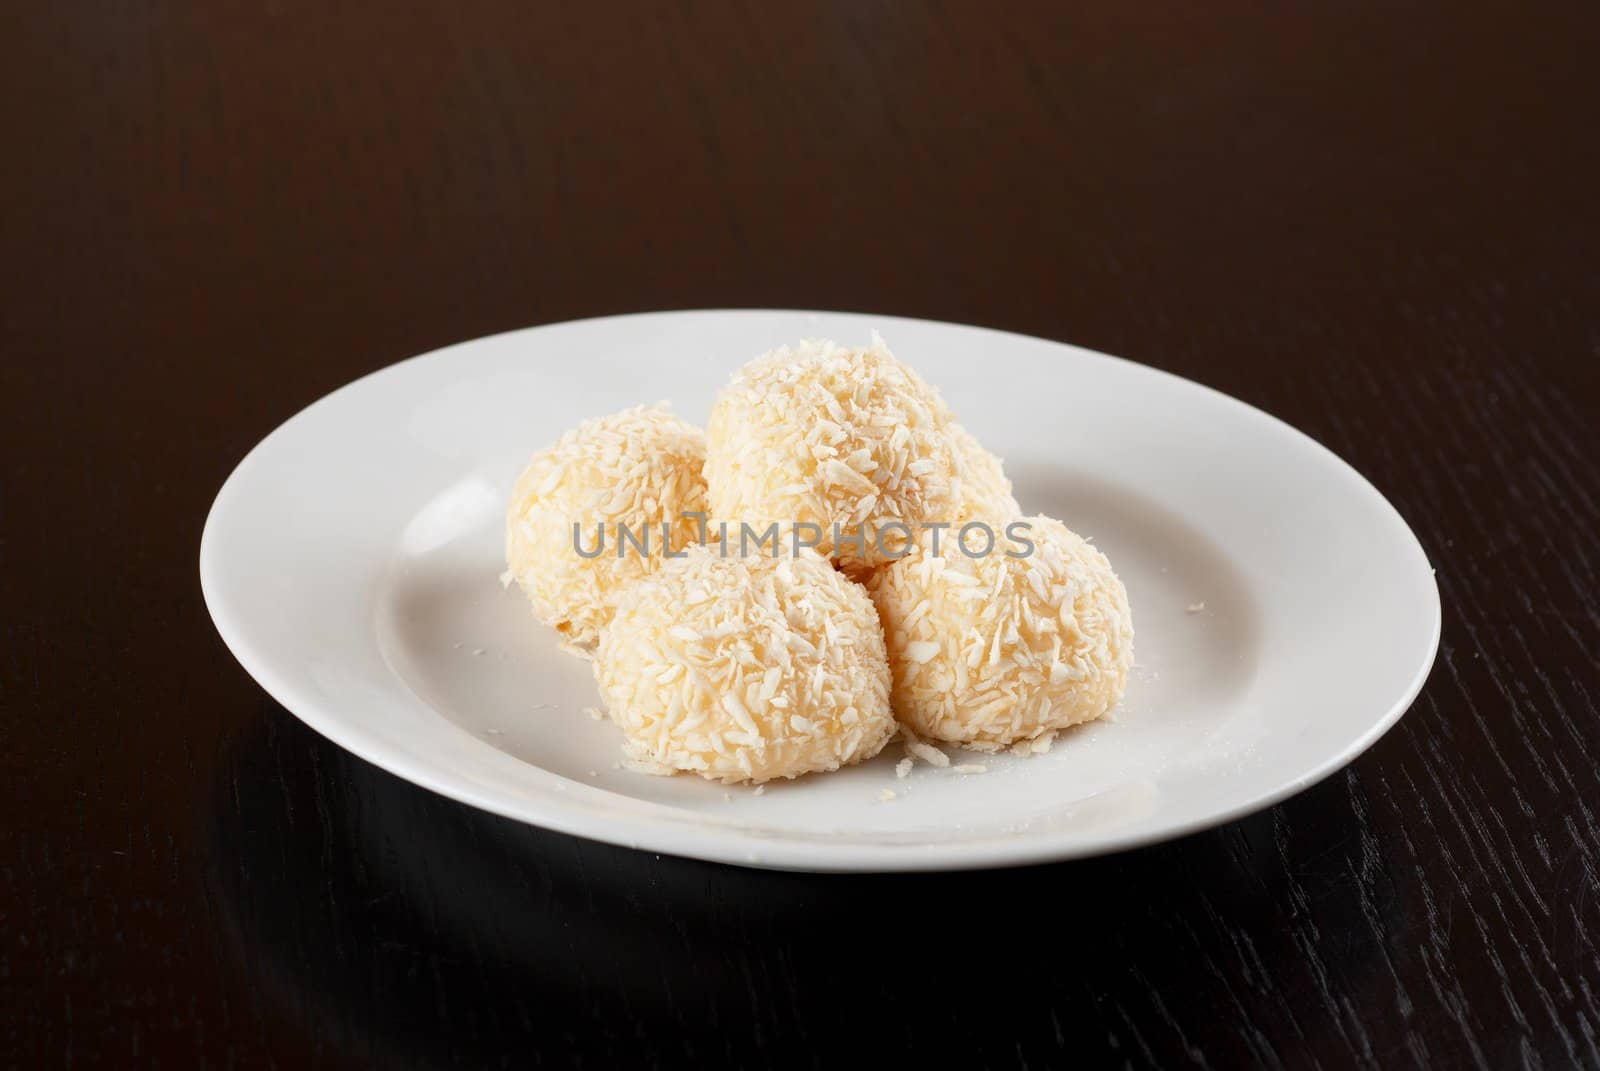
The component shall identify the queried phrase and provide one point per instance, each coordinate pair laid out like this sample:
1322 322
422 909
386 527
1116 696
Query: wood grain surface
1379 222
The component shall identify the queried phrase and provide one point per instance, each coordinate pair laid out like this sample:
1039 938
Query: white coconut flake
1194 608
903 767
969 768
886 795
1038 745
927 753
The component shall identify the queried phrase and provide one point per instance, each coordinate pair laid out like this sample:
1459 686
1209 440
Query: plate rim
742 848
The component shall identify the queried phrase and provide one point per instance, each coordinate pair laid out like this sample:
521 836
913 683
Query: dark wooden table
1377 221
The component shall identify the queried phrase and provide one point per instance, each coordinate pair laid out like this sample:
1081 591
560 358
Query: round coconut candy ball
746 668
981 488
824 435
641 468
992 650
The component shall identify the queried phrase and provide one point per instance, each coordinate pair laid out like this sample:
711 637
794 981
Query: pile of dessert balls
866 617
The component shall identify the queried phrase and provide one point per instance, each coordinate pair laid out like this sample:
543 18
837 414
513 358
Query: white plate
351 563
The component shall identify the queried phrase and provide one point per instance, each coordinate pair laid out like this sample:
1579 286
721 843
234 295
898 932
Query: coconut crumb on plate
926 752
1041 744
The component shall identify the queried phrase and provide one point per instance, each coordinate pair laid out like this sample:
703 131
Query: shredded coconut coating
982 491
641 467
746 668
986 652
824 434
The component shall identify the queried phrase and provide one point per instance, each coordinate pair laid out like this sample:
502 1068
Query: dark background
1377 221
